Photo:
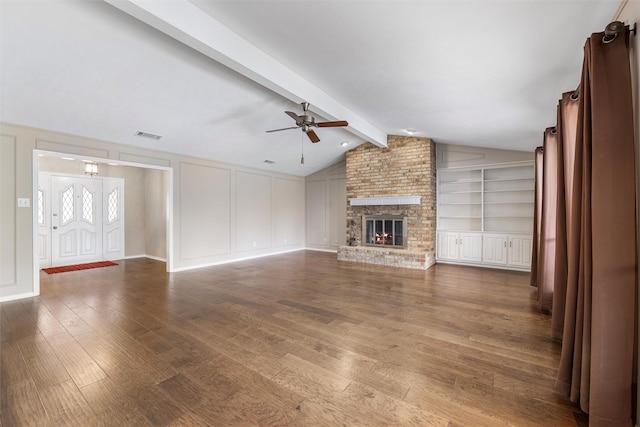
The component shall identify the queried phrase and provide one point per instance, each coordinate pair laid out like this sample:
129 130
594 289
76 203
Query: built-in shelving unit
460 200
491 200
508 199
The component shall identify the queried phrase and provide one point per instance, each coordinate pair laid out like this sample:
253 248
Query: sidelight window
113 206
40 207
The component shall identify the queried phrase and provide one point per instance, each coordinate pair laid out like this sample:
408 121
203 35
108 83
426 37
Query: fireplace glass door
384 231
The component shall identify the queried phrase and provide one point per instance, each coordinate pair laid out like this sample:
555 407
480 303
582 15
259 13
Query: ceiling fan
306 122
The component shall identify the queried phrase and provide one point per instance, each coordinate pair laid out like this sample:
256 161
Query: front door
76 220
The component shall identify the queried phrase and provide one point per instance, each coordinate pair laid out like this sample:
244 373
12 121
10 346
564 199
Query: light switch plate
24 203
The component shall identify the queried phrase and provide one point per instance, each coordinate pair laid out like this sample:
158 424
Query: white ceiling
483 73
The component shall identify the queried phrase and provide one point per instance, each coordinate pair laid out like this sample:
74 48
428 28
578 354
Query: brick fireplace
396 182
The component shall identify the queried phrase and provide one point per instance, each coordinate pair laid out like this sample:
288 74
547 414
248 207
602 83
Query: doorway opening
95 225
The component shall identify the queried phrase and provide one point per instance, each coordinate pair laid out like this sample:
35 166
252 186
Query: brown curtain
537 216
567 122
547 238
597 360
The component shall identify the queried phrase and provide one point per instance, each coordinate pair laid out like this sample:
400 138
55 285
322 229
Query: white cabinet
485 215
494 249
504 250
463 247
520 248
447 246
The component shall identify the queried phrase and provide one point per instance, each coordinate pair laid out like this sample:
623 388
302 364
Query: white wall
155 206
458 156
327 208
218 210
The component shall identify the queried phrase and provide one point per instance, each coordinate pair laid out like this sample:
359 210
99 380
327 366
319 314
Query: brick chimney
406 168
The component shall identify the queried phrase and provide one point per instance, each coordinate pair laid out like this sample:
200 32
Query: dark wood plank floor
295 339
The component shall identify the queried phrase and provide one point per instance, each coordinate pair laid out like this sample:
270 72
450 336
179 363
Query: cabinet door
447 246
520 251
471 248
494 249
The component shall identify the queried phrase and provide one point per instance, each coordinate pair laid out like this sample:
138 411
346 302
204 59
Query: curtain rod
610 33
615 27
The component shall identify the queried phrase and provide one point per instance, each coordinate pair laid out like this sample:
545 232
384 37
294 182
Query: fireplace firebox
387 231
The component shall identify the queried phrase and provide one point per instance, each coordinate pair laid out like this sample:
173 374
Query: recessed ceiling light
410 131
67 158
344 143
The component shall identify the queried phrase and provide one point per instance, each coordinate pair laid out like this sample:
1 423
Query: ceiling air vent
269 162
148 135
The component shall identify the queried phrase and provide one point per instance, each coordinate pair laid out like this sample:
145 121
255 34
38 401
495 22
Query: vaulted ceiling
212 76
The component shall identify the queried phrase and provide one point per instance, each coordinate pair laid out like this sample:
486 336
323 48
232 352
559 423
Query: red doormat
77 267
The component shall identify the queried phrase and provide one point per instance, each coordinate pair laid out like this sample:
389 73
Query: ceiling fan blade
312 136
278 130
294 116
332 124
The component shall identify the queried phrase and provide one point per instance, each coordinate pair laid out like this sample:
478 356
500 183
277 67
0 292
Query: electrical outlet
24 203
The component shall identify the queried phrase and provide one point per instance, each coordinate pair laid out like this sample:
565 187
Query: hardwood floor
295 339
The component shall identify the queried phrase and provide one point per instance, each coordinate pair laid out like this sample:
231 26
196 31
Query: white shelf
460 203
496 199
457 181
516 218
464 192
509 191
507 203
508 179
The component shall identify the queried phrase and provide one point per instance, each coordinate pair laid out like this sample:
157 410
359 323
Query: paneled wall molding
200 201
326 207
8 199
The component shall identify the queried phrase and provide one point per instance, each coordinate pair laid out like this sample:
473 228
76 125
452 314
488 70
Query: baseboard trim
471 264
333 251
146 256
18 296
230 261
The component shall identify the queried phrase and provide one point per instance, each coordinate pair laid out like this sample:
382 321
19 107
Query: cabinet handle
505 244
510 243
